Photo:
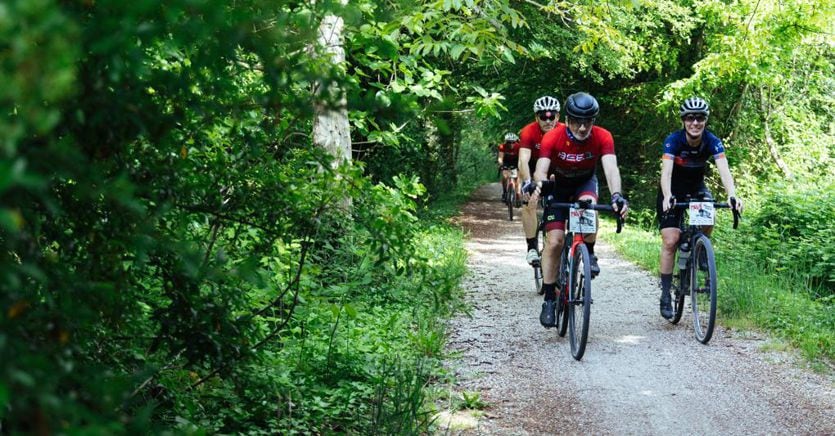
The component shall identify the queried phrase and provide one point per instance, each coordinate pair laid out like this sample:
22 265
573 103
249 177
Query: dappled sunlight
630 339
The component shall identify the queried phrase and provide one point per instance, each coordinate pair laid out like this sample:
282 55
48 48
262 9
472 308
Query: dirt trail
639 375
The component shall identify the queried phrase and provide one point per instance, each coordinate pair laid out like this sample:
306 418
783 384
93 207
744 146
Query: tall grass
749 293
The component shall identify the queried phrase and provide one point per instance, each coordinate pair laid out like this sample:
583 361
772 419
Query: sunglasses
547 116
581 121
691 117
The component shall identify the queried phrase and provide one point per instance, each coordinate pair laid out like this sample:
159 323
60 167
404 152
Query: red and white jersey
572 159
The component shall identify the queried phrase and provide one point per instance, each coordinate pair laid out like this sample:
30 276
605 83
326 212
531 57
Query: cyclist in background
547 112
508 159
683 164
570 154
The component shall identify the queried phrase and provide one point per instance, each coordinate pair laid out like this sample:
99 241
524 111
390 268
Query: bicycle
511 198
574 272
693 277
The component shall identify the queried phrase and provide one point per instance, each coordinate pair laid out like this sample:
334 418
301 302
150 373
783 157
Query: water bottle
683 254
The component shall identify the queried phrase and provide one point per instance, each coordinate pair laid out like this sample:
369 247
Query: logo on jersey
575 157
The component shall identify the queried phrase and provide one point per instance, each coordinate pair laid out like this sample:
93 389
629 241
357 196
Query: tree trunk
330 125
769 140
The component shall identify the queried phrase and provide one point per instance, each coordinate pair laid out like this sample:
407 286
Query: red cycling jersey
531 137
509 149
572 159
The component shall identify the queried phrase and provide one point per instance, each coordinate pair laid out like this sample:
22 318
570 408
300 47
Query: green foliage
787 233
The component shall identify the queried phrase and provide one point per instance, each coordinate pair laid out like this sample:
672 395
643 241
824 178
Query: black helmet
581 105
694 105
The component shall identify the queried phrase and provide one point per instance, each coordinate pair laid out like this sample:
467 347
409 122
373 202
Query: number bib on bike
514 173
582 220
701 213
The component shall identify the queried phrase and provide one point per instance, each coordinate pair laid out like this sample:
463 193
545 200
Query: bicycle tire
562 312
680 288
579 303
703 290
511 199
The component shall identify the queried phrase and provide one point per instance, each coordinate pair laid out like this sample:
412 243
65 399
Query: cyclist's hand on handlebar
620 204
736 203
667 203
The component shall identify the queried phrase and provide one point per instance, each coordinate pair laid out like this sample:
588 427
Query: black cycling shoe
666 305
548 317
595 268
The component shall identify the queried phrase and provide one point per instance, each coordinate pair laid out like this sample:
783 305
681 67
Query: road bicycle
696 265
511 197
574 272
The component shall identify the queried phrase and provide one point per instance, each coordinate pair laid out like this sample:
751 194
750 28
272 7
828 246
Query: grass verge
748 294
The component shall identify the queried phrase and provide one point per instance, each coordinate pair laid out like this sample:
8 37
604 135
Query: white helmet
694 105
511 137
546 103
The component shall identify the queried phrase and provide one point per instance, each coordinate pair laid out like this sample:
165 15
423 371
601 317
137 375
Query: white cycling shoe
533 256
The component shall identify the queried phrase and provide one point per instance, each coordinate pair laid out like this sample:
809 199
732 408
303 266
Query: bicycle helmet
694 105
546 103
581 105
511 137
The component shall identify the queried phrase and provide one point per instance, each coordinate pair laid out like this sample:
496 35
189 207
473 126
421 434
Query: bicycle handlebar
589 205
716 204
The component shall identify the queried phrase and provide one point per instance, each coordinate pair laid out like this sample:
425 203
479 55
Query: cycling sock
666 283
590 246
532 243
550 290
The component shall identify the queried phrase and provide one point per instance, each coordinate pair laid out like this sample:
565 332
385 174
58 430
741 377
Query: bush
792 232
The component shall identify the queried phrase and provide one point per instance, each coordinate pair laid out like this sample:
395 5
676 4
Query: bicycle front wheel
703 289
579 301
562 282
511 200
537 277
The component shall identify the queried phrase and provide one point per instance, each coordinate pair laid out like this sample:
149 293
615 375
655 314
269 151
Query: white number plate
702 213
514 173
582 220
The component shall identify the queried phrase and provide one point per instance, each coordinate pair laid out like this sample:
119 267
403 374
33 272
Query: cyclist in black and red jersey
547 112
570 154
683 164
508 158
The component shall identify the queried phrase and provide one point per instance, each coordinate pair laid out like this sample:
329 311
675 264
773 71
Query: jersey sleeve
527 138
607 143
716 148
669 151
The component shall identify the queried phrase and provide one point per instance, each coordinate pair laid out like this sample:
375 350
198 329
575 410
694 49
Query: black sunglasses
547 116
692 117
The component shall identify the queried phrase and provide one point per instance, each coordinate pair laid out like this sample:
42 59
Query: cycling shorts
554 218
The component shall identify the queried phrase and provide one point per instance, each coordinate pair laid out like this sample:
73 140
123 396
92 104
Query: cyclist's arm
666 178
501 158
542 165
610 168
524 158
725 174
727 180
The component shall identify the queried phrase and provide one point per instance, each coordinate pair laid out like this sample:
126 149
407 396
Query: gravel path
639 375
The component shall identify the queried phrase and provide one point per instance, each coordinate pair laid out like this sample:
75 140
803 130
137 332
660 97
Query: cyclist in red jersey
508 158
547 110
566 169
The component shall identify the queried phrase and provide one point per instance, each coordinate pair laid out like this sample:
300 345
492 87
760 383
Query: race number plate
582 220
701 213
514 173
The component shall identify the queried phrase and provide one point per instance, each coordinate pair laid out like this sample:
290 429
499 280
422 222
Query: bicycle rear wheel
579 302
679 289
511 200
703 290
